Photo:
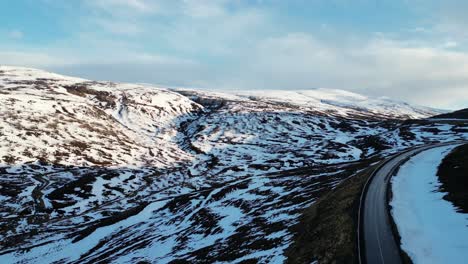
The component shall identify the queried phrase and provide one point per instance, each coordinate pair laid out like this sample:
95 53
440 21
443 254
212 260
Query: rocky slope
121 172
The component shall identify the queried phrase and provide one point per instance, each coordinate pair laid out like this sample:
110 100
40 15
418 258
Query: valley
101 171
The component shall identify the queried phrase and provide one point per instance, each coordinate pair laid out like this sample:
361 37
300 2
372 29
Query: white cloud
120 27
420 74
31 59
16 34
120 17
214 29
159 59
142 6
450 44
204 8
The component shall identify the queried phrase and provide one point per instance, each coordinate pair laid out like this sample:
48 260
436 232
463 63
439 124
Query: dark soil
453 174
371 141
460 114
327 229
83 90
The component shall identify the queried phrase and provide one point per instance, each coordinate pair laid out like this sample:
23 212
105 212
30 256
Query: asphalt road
380 245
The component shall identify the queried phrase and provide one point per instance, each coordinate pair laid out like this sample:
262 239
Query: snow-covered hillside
343 103
51 118
332 102
99 170
431 229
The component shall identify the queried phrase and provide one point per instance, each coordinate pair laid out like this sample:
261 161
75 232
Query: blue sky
410 50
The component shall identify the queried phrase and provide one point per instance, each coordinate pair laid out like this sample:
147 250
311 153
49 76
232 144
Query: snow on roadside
430 228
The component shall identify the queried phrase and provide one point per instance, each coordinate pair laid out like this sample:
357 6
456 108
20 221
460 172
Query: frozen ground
431 230
97 166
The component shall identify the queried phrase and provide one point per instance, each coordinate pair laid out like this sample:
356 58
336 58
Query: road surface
379 243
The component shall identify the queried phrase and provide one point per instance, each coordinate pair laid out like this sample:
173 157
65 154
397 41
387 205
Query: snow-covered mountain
73 121
125 173
342 103
331 102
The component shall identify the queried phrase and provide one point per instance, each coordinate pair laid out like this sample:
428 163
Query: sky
416 51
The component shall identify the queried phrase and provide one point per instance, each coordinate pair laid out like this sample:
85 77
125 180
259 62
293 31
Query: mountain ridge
459 114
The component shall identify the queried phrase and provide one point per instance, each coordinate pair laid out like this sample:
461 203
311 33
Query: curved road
380 245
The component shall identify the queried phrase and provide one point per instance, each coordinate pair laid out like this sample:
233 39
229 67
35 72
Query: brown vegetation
327 229
453 174
83 91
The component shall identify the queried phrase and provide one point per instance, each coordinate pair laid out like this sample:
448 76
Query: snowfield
431 230
124 173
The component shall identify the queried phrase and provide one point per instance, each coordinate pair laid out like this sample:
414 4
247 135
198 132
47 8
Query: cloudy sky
411 50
